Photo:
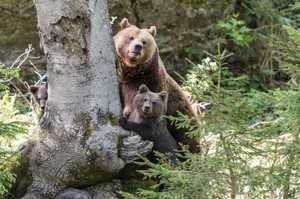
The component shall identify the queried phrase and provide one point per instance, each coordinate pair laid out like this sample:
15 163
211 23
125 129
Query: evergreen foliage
10 127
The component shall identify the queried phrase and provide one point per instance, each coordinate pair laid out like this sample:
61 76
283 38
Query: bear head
133 45
149 104
40 93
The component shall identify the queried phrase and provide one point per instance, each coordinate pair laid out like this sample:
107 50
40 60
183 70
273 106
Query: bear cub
40 93
147 120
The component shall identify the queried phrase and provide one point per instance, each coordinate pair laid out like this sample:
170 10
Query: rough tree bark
80 147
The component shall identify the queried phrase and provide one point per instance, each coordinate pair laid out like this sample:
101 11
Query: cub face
40 93
134 45
149 104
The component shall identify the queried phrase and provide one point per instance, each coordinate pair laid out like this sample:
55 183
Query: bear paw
126 112
122 121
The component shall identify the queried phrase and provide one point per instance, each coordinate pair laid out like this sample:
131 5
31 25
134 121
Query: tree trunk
80 147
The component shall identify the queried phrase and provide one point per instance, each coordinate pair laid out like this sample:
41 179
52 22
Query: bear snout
135 49
138 47
146 108
42 103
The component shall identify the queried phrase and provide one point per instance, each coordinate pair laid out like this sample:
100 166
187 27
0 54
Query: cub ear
34 89
124 23
143 88
163 95
152 30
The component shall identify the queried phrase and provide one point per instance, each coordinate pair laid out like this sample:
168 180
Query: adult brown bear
140 63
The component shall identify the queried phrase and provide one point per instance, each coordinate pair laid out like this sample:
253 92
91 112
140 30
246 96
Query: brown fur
40 93
147 68
147 120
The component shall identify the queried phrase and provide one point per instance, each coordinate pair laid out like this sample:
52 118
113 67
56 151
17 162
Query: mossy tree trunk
80 146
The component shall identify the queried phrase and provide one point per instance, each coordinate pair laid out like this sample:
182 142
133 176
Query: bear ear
34 89
163 95
124 23
152 30
143 88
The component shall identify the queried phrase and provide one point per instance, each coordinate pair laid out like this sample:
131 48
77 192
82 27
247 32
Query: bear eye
131 38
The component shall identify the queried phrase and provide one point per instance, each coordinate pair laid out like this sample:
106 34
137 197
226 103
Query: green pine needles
10 127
